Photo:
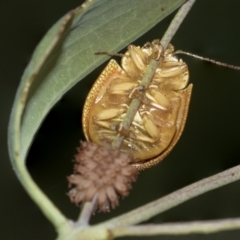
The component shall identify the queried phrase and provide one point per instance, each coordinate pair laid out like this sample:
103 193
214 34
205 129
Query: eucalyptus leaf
96 25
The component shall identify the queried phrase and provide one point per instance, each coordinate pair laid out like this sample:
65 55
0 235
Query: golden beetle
161 116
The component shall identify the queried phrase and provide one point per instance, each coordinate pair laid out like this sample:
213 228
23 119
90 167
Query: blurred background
210 143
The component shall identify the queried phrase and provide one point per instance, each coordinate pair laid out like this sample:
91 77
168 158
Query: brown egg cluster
101 171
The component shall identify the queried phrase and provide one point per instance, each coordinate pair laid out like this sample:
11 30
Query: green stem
196 227
134 105
86 212
176 22
150 71
163 204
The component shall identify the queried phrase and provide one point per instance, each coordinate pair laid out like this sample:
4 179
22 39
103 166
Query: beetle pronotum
161 116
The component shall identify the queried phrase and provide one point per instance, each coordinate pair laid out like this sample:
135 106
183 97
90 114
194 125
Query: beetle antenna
208 60
110 54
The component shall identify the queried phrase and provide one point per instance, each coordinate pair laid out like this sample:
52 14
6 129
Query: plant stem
152 209
134 105
150 71
201 227
86 212
176 22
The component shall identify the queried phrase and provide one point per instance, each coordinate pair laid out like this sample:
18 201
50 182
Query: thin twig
86 212
176 22
134 105
152 209
150 71
202 227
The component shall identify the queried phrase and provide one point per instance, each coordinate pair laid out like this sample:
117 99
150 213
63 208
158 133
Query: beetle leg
172 63
122 131
106 124
145 139
159 100
157 49
167 118
135 93
136 135
137 57
122 88
173 77
150 127
173 71
106 114
152 86
109 113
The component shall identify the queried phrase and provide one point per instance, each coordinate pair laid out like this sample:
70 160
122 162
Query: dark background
210 143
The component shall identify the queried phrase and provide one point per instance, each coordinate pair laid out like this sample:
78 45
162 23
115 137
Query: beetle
159 121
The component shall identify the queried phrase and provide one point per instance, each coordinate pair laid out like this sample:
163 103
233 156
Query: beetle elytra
161 116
